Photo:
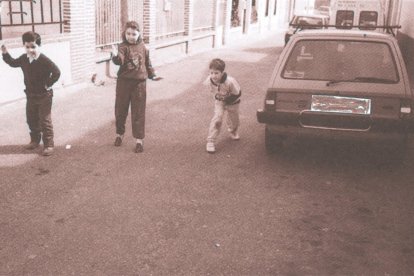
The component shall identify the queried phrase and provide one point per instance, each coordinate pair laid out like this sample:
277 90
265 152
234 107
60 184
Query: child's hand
114 50
219 97
3 49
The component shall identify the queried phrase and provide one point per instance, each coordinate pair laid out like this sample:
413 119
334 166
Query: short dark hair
32 37
217 64
132 24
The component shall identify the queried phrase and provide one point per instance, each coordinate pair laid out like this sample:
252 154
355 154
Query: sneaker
118 141
235 135
31 146
139 148
47 151
210 147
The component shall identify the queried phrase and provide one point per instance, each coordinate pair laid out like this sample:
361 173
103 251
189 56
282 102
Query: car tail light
270 101
405 108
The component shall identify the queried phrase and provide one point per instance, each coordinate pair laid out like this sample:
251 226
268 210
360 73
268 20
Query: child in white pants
227 94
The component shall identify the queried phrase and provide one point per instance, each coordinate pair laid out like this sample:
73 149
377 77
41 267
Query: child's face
131 35
216 75
32 49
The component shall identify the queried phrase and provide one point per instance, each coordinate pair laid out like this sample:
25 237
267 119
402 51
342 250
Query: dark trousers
39 119
131 92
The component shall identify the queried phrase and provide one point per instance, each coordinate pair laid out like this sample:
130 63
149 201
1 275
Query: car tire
273 143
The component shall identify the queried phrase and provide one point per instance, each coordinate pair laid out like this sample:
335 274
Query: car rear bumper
290 125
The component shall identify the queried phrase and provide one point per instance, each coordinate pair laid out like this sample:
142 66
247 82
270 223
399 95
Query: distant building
78 33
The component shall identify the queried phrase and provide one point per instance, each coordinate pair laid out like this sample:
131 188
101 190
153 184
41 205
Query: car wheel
273 142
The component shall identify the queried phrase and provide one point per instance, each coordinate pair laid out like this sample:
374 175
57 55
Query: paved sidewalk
79 110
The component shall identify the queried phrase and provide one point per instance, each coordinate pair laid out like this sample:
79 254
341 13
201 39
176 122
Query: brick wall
72 51
80 30
80 15
149 21
188 16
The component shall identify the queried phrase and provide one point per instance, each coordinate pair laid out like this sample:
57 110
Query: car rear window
357 61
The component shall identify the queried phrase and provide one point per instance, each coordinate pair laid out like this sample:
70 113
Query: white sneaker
210 147
235 135
47 151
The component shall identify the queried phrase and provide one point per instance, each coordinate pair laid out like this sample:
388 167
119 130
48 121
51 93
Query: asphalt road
316 208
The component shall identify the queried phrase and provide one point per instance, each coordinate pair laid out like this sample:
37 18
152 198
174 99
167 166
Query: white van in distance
348 13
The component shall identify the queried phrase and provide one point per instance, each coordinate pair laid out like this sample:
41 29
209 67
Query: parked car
349 84
305 21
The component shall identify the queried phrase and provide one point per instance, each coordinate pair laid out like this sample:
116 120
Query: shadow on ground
175 210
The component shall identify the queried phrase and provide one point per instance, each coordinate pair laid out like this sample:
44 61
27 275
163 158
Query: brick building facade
71 47
81 31
80 27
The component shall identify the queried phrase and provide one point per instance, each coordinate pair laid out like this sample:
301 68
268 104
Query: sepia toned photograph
206 137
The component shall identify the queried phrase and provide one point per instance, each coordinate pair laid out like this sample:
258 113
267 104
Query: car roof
338 33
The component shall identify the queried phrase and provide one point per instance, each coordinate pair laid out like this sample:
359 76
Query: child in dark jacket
40 73
135 67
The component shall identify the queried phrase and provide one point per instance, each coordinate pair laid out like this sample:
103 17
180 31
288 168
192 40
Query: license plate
338 104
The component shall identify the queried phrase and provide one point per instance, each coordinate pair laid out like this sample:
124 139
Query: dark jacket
39 75
134 61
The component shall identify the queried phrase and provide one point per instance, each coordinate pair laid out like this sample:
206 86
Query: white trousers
216 122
